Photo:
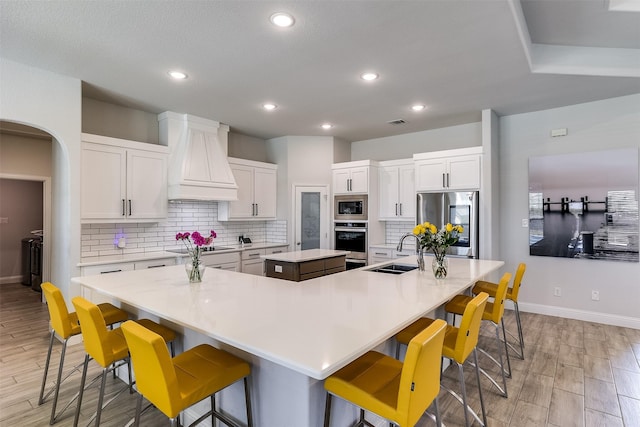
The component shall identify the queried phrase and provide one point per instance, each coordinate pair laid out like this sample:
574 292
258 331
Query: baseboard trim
10 279
589 316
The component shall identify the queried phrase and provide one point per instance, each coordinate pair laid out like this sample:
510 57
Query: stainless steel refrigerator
458 208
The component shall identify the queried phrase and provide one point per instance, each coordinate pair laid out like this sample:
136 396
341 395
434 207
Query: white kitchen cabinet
225 261
379 254
252 263
257 184
354 179
448 170
122 180
397 194
96 297
154 263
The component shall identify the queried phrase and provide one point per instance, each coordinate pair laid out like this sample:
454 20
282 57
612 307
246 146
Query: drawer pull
381 253
110 271
156 266
255 254
276 252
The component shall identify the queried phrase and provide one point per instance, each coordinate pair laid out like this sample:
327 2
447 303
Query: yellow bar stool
512 295
399 392
174 384
493 312
459 343
65 325
107 347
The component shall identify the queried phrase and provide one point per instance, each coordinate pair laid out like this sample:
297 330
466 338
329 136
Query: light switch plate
278 268
525 222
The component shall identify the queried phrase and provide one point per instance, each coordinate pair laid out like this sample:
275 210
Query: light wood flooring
574 374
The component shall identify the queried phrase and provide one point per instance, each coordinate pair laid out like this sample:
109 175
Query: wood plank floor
574 374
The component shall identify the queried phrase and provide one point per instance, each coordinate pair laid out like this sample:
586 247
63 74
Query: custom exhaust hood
198 166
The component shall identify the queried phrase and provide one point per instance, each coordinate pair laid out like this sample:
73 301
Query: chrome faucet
419 253
399 247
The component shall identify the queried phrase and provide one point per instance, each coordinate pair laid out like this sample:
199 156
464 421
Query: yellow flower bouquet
430 238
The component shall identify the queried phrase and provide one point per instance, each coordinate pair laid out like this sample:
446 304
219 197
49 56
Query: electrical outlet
595 295
557 291
525 222
4 220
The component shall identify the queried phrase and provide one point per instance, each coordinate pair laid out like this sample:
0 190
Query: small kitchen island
293 336
304 265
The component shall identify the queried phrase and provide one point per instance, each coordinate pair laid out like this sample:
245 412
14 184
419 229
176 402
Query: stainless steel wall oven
352 236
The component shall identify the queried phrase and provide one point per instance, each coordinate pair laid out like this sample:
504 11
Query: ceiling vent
397 122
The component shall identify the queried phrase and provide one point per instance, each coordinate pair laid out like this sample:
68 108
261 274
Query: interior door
311 225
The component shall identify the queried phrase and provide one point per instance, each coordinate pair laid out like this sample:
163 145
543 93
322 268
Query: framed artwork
585 205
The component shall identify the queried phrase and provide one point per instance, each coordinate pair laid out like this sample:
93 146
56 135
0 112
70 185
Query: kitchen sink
394 269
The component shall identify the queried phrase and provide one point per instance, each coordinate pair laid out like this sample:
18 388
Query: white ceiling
456 57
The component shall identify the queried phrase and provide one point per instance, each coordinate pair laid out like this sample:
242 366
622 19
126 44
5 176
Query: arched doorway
26 166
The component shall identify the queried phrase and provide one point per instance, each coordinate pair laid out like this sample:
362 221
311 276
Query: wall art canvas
585 205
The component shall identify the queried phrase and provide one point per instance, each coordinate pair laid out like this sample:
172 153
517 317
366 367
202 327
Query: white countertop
145 256
306 255
313 327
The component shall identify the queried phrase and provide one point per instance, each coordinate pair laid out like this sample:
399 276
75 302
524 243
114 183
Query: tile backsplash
101 239
396 229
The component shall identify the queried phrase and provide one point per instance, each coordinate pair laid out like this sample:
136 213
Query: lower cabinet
229 261
252 263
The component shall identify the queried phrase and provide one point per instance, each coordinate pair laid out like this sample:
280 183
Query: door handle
298 244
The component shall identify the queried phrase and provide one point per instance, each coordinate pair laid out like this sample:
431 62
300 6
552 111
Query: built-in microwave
351 208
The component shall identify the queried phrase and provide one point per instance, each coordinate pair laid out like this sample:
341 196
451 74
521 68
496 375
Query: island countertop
313 327
306 255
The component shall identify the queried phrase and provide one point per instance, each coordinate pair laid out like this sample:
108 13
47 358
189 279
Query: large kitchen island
293 334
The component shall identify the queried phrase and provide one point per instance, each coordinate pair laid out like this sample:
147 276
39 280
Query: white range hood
198 167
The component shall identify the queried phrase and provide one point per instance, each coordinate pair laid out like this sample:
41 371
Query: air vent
397 122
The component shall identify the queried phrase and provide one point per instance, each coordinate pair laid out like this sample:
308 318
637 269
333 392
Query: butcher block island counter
294 335
305 265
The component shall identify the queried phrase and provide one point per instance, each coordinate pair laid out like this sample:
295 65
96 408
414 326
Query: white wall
608 124
51 102
406 145
24 155
103 118
301 160
247 147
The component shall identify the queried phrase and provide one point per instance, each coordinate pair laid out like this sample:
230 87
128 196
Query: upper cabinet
448 170
122 180
350 177
397 191
257 184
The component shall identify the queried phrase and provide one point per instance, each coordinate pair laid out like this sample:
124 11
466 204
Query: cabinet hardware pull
400 209
110 271
256 209
396 209
276 252
129 207
218 266
156 266
443 183
448 184
123 208
381 253
256 254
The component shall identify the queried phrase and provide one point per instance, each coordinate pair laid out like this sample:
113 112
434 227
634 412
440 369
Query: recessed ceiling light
418 107
178 75
368 76
327 126
281 19
269 106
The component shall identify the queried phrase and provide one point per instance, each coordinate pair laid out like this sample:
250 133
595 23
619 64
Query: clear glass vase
440 266
195 270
